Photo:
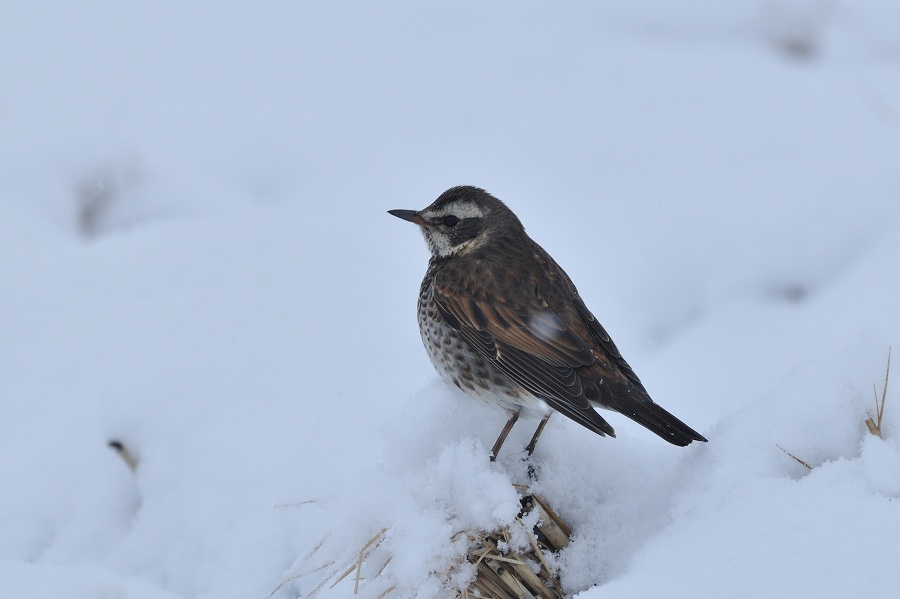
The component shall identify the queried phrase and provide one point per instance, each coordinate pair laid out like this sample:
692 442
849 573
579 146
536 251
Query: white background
196 261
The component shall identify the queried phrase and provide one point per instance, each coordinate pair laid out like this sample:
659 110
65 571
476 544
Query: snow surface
197 262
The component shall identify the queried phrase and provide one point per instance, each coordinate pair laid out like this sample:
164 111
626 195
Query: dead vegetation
874 425
502 571
124 453
520 575
795 458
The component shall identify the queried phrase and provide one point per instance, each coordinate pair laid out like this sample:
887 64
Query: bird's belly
459 365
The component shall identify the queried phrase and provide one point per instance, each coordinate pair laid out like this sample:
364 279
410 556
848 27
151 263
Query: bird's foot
531 467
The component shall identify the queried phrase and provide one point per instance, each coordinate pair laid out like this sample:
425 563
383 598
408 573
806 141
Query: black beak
410 215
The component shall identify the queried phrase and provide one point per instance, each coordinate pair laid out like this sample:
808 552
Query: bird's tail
635 403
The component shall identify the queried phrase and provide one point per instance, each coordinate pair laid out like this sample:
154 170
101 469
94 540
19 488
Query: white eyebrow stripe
459 210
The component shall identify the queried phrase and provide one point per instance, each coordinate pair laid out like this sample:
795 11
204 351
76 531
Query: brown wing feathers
540 361
564 358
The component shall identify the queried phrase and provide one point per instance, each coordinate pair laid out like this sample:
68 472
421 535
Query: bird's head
461 220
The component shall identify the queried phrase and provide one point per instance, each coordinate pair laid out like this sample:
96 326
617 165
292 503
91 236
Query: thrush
502 321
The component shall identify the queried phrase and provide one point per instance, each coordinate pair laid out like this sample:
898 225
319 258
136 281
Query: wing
532 325
520 333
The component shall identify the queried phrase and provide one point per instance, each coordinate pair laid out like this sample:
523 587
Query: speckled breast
463 367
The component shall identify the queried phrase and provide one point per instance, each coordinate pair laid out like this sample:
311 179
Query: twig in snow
808 467
129 458
875 425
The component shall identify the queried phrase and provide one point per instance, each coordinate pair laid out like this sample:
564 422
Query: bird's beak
410 215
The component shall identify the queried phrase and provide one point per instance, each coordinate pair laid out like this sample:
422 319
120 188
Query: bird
502 321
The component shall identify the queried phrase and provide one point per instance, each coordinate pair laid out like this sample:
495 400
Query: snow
197 262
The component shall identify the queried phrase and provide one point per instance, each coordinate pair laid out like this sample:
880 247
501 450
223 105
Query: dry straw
875 425
500 572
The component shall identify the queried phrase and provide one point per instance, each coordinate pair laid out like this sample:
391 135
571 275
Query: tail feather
636 404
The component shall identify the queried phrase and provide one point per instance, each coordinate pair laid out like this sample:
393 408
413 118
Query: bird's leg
503 434
530 447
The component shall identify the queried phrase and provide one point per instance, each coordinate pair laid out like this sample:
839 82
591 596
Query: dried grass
874 425
499 573
798 460
124 453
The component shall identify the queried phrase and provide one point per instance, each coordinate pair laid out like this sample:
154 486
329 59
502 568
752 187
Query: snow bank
197 262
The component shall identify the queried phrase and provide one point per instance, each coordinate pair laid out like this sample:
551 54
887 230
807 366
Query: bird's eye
450 220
